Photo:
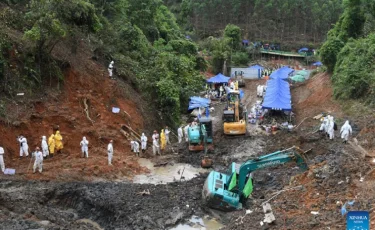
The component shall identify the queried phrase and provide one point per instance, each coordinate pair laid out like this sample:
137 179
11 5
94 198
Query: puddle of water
196 222
166 174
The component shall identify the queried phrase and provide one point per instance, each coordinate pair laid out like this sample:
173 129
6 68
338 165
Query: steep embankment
85 81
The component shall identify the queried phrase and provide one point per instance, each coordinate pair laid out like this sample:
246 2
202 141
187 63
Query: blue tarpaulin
229 90
218 79
304 49
277 95
282 73
256 67
198 102
200 99
318 63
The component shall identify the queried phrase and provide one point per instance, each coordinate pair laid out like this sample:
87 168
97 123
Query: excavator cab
201 135
234 115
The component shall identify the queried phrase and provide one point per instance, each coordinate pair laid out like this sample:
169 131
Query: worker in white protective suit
143 142
330 130
38 163
324 125
221 91
24 148
345 131
232 85
186 129
155 136
85 147
45 147
258 91
136 148
155 147
2 165
132 146
180 134
110 69
167 132
110 152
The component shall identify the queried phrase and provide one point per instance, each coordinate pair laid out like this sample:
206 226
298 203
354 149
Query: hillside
53 72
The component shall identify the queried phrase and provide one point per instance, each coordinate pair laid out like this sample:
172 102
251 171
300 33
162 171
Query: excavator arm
228 191
276 158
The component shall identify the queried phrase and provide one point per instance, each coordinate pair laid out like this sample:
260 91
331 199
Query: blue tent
218 79
256 67
277 95
304 49
318 63
282 73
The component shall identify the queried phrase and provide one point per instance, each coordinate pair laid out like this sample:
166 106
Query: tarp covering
302 72
304 49
282 73
229 90
218 79
198 102
200 99
256 67
318 63
277 95
298 78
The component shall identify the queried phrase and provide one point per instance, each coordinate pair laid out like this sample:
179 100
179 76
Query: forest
155 44
288 21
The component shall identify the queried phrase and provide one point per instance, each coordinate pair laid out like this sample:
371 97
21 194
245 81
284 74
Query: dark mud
33 205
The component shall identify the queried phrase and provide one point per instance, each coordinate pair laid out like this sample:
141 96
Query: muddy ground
51 205
333 178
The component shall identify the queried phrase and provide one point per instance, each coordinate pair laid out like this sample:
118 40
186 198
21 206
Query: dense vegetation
142 37
286 21
349 51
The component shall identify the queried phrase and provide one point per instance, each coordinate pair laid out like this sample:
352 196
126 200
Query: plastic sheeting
277 95
198 102
318 63
304 49
282 73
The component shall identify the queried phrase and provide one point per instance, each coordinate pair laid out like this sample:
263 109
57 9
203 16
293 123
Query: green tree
354 72
233 33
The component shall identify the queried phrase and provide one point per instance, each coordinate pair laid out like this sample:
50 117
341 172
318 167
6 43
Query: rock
44 222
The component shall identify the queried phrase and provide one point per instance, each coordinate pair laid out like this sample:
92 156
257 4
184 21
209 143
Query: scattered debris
144 192
9 171
268 214
343 208
314 212
317 117
115 110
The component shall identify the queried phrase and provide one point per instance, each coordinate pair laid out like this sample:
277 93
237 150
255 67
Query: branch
87 110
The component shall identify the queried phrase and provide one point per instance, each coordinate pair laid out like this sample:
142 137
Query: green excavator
229 191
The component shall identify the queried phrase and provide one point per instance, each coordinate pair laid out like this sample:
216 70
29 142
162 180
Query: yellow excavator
235 114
